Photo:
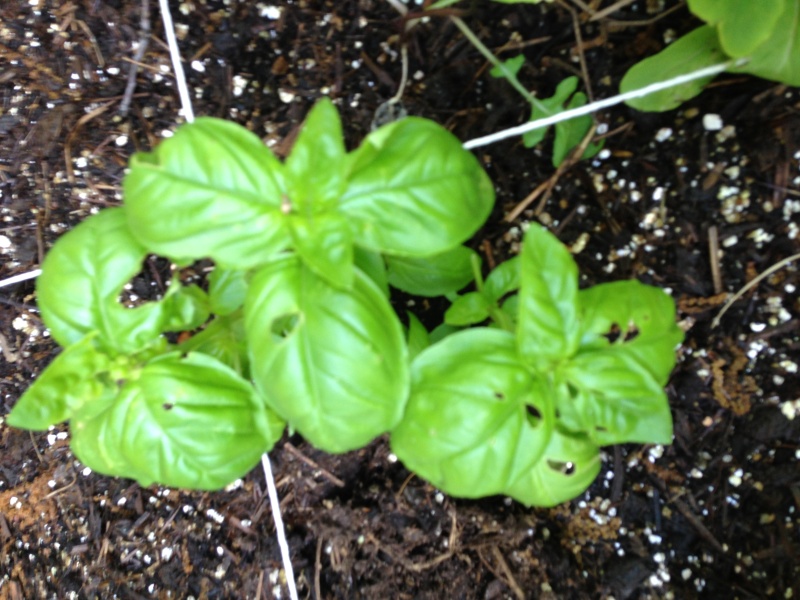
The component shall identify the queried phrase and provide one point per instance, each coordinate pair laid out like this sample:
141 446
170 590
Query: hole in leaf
600 429
285 325
631 333
534 415
499 395
613 333
149 284
167 406
565 468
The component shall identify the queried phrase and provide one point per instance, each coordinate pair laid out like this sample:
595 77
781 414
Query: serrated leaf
570 133
547 327
332 362
432 276
185 421
569 465
546 107
213 190
470 309
476 417
65 384
742 25
694 51
414 191
616 400
82 278
512 65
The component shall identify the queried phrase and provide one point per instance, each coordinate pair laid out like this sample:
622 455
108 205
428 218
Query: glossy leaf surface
332 362
431 276
742 25
476 419
218 192
184 421
414 191
547 327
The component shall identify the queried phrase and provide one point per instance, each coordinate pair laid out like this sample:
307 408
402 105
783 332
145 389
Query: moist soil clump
697 201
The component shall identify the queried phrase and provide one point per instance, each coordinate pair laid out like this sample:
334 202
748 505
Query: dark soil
715 515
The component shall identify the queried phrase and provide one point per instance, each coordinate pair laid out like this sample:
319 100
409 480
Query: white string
601 104
21 277
279 529
177 66
274 503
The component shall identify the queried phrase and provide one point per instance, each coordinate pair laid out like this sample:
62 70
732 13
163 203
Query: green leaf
332 362
226 290
82 278
503 279
513 65
694 51
67 383
315 168
224 339
324 242
615 400
185 421
569 466
546 107
570 134
547 328
373 266
470 309
432 276
477 419
417 336
778 58
213 190
414 191
742 25
184 307
641 318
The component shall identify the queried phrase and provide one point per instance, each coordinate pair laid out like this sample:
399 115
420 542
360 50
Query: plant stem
512 79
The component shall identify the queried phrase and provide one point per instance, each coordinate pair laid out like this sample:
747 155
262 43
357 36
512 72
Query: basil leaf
315 168
641 317
184 307
185 421
417 336
547 328
225 339
332 362
213 190
67 383
778 58
477 418
431 276
742 25
569 465
325 243
373 266
414 191
615 400
469 309
226 290
504 279
82 278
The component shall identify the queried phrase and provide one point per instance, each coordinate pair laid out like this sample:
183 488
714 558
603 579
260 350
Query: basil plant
293 325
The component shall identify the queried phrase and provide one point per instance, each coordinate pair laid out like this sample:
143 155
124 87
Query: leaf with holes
332 362
184 421
477 419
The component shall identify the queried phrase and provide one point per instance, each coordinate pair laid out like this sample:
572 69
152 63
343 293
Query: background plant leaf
693 51
742 25
778 58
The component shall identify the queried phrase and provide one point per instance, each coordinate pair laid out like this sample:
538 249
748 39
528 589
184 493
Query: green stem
512 79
